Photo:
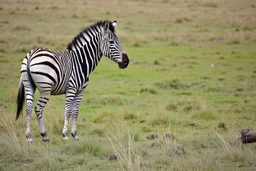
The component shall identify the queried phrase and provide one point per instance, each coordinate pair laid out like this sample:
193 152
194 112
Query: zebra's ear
114 24
106 26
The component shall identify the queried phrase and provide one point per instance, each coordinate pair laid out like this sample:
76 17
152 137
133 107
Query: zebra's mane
95 28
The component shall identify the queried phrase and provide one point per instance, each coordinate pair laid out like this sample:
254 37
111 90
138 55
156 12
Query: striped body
63 69
66 72
57 64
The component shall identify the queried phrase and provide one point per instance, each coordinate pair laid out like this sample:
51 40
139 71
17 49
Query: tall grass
126 149
14 144
232 149
11 140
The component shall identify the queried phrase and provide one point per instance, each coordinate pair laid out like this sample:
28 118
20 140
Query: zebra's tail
20 99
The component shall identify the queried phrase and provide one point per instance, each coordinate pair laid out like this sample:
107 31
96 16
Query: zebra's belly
58 91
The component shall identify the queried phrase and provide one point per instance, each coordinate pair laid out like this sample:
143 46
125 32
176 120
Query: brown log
248 136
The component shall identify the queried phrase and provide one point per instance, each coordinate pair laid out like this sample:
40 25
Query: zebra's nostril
125 59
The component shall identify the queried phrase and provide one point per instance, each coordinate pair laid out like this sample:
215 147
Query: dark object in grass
248 136
190 124
152 136
169 136
150 90
222 126
113 157
202 145
178 149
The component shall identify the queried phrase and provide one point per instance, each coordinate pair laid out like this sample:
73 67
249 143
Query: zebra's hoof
46 139
29 139
65 138
76 137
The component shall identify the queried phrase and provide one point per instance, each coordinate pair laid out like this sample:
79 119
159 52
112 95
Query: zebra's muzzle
125 61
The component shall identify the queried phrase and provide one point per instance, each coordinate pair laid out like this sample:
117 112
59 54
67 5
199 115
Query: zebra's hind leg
28 114
30 98
42 101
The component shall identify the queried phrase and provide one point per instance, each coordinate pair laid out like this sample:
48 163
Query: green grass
192 75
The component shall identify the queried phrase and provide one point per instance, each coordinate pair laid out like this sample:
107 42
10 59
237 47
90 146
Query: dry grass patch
102 116
172 84
125 148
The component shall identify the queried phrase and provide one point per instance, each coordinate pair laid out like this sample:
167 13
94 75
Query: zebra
66 72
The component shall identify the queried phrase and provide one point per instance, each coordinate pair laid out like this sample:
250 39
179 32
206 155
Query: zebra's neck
87 56
86 53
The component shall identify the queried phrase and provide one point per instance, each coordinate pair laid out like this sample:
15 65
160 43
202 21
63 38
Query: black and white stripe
66 72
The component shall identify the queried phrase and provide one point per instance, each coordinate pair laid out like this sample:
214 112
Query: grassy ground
188 91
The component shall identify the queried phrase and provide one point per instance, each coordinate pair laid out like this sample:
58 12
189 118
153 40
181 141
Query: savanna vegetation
180 105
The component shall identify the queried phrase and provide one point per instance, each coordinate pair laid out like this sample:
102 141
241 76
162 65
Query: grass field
180 105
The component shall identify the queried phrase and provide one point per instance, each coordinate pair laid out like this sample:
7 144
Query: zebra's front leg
75 109
67 115
68 111
73 129
74 118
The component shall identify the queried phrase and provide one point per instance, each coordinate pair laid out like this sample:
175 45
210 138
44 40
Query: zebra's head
111 46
